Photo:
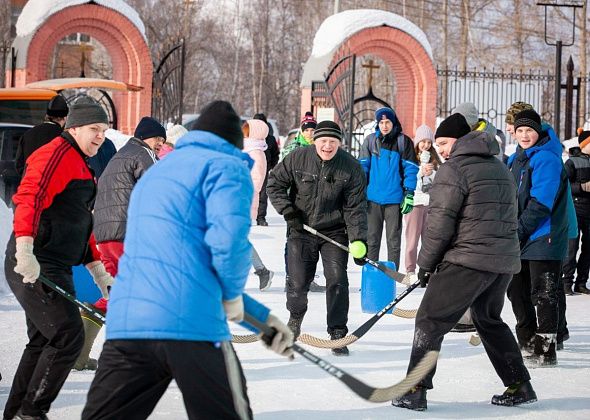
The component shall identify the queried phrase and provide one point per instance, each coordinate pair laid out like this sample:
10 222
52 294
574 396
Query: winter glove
100 276
282 341
26 262
234 309
408 203
585 186
294 219
424 277
358 250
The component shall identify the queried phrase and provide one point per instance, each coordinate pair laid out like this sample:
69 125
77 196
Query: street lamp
558 46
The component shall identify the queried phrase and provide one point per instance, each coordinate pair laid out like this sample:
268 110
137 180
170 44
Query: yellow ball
358 249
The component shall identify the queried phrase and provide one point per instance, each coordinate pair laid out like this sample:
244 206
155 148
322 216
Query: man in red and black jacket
52 233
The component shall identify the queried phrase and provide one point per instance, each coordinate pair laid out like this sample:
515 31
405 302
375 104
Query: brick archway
130 55
412 67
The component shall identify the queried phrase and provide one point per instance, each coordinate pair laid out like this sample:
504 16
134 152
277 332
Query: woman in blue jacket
542 231
181 278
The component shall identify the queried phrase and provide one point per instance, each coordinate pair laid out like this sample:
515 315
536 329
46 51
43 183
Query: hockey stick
360 388
360 331
91 311
395 275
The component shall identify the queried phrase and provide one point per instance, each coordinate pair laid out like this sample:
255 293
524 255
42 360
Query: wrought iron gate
168 86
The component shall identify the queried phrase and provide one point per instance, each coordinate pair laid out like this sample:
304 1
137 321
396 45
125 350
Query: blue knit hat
385 112
148 127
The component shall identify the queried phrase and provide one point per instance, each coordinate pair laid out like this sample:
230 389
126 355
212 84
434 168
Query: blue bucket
377 289
86 290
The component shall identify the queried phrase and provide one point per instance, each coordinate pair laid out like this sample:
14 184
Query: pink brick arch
413 69
127 47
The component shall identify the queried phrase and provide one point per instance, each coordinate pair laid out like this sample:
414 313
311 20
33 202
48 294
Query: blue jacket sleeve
365 155
410 165
545 181
228 190
256 309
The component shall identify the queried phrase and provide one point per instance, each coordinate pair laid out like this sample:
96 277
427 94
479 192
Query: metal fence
494 90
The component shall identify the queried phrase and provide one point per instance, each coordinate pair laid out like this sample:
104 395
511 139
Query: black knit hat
86 111
453 127
528 118
219 117
57 107
327 129
149 127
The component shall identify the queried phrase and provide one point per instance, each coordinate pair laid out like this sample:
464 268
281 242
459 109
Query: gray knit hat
86 111
469 112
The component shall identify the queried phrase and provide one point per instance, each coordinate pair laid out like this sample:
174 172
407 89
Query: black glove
294 219
424 277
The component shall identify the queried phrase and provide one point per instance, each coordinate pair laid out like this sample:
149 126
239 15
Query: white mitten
586 186
234 309
283 339
26 262
101 277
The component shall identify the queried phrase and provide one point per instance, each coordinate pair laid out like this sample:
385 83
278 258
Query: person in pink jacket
255 132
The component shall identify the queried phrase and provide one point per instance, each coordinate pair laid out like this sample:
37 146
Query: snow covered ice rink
278 389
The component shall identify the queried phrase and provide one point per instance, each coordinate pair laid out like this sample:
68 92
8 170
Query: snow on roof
36 12
337 28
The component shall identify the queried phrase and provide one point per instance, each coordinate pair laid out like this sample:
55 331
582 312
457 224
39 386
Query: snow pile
36 12
118 138
339 27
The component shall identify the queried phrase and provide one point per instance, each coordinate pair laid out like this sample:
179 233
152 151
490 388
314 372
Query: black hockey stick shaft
360 388
60 290
395 275
362 330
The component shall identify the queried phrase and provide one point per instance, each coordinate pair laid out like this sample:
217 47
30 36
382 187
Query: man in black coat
41 134
323 187
469 251
272 154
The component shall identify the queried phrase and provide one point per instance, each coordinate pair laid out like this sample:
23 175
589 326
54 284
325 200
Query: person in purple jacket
181 278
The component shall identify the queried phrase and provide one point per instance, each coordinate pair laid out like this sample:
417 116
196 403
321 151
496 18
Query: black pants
303 251
451 291
56 337
262 201
390 215
535 299
582 265
133 375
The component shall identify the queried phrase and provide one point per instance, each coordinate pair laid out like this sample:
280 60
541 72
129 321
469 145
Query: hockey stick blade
360 388
93 312
395 275
360 331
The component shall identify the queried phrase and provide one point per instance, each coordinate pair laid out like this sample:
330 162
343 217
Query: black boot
414 399
545 354
295 325
265 276
567 288
516 394
261 222
336 335
581 288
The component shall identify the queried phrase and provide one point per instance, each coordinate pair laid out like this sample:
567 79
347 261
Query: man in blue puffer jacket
181 278
390 164
543 231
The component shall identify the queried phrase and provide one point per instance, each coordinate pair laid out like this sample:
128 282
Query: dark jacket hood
477 143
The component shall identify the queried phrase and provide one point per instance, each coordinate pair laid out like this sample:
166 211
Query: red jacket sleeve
47 174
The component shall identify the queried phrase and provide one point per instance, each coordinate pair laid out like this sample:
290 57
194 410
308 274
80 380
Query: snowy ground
278 389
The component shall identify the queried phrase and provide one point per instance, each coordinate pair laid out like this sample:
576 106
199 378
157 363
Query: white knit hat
423 133
174 132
